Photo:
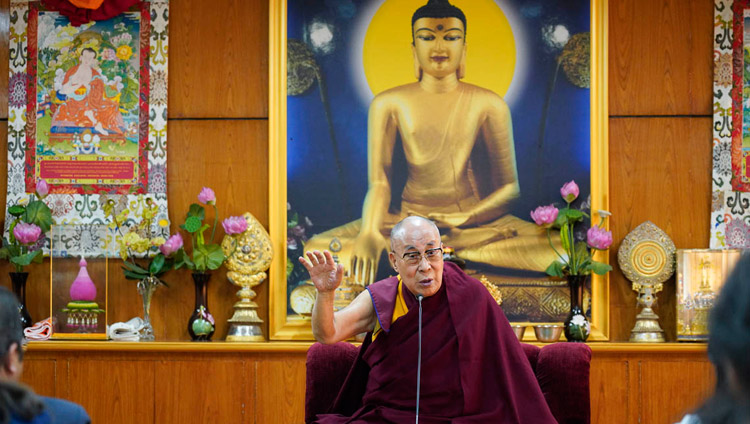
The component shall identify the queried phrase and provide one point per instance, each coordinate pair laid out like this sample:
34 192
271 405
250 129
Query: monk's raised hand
325 273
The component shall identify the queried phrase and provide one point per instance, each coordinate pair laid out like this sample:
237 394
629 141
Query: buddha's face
439 45
424 276
88 58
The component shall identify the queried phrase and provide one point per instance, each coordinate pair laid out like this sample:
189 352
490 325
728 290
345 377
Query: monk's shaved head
400 229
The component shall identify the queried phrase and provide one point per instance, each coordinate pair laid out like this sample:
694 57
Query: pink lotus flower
234 225
569 191
42 188
207 196
172 245
599 238
544 215
26 233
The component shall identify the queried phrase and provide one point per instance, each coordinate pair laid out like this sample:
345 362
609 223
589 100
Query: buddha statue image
448 132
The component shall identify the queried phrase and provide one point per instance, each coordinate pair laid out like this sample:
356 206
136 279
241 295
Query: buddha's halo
381 56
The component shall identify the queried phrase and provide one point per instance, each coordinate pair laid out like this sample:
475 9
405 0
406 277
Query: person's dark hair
438 9
11 330
89 49
728 345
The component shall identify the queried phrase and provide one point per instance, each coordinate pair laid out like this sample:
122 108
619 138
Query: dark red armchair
562 370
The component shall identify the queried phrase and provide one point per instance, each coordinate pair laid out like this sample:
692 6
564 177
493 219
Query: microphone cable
419 354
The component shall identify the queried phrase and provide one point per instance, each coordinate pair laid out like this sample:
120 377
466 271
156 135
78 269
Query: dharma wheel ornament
647 258
249 255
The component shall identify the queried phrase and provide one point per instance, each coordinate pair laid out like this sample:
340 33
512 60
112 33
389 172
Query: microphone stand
419 355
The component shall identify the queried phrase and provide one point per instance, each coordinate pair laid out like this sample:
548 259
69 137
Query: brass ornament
494 291
249 255
647 258
302 299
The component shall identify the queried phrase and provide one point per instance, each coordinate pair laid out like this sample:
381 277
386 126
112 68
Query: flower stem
549 238
216 221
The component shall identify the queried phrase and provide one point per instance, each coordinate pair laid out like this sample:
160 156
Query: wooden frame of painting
323 30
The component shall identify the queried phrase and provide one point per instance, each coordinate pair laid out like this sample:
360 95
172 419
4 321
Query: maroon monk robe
473 367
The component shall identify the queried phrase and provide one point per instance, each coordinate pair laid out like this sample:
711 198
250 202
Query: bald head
408 224
419 239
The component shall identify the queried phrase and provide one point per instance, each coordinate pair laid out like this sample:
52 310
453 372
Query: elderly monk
457 140
473 369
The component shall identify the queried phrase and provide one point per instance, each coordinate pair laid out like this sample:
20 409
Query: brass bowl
548 333
519 330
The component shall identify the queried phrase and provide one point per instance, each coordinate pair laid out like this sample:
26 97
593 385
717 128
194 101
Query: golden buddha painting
468 112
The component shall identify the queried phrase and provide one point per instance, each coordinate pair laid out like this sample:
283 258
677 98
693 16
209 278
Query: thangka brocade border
86 209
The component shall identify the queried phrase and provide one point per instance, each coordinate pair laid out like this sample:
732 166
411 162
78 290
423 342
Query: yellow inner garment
399 310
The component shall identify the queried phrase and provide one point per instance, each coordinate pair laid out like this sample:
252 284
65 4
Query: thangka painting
730 206
88 111
476 160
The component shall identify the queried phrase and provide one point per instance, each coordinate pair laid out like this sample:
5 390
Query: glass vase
577 326
201 325
146 289
19 289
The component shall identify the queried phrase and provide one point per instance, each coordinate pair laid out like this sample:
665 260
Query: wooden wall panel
229 156
203 391
610 388
660 57
281 390
662 380
113 390
41 374
660 170
218 58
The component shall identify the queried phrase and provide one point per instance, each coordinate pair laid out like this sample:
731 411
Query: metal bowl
519 330
548 333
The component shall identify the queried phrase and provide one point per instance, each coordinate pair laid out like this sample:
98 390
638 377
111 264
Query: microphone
419 355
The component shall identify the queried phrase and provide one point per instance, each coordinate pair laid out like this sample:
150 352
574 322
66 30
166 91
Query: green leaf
215 256
582 250
565 237
13 250
16 210
156 264
135 268
130 275
560 221
555 269
573 214
293 220
40 214
200 258
183 259
600 268
197 211
25 259
5 254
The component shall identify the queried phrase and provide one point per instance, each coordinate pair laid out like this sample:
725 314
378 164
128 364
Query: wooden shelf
296 347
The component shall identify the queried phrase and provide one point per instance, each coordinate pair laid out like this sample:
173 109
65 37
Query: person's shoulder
484 94
458 277
64 411
392 95
384 283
